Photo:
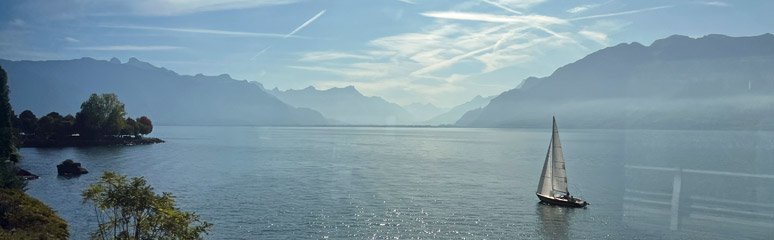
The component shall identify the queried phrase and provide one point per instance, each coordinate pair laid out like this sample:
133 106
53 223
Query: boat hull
563 202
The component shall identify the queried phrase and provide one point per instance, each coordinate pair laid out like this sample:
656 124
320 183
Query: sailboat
552 188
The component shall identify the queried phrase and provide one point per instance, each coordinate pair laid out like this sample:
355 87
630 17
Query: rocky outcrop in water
70 168
26 174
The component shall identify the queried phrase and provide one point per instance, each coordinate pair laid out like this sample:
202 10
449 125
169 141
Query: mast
558 173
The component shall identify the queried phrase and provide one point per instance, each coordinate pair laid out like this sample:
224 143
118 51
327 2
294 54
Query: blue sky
438 51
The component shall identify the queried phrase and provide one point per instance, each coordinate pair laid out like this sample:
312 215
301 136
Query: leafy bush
129 209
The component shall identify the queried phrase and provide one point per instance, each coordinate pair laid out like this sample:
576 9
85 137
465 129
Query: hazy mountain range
163 95
173 99
347 106
423 112
712 82
456 113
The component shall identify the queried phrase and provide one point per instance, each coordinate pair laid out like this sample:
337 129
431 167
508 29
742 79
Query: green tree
28 122
46 127
6 113
130 127
129 209
55 115
53 126
144 125
8 170
100 115
64 126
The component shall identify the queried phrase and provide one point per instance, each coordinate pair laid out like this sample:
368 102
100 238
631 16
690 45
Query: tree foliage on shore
27 122
129 209
101 116
8 155
6 112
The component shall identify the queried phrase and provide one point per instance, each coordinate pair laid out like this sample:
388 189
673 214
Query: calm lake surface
436 183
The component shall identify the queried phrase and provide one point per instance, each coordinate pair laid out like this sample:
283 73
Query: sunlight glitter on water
286 183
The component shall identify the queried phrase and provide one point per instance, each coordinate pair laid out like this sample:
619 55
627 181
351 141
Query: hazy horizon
405 51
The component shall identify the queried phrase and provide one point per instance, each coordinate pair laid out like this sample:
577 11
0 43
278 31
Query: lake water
436 183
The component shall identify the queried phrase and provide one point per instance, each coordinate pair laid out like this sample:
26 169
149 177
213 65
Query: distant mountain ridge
451 116
712 82
161 94
423 112
347 106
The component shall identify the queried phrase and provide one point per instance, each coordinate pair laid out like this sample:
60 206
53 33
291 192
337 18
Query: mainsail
553 177
545 187
558 174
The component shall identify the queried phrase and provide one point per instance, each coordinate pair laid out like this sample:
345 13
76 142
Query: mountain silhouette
347 106
712 82
458 111
423 112
163 95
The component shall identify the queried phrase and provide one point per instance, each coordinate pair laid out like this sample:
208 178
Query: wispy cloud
515 54
305 23
128 48
408 1
17 22
260 53
202 31
536 21
620 13
407 61
598 37
715 3
348 72
532 19
449 62
444 57
523 4
324 56
71 9
177 7
72 40
581 8
291 34
502 7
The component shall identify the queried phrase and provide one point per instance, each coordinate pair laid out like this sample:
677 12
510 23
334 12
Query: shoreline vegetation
21 216
76 142
102 121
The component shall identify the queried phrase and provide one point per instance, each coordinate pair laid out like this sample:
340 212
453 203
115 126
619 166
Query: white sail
558 174
545 186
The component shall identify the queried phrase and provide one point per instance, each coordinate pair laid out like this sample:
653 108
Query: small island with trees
102 121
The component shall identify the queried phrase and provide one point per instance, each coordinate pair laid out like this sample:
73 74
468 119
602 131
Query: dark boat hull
562 202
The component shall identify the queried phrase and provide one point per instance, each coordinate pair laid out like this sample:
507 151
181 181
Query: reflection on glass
687 201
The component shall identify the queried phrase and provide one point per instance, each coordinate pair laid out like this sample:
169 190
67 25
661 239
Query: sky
442 52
